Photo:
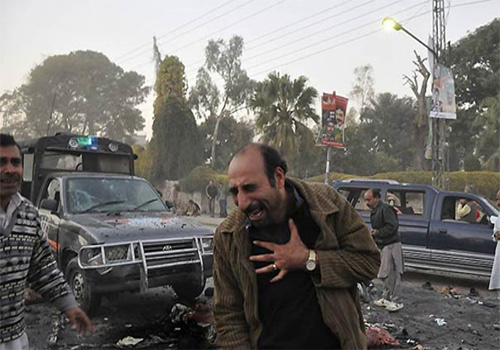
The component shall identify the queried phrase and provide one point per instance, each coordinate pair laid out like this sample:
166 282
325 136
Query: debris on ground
129 341
440 321
193 327
427 285
378 336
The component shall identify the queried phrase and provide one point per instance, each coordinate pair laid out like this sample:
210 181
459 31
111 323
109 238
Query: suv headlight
207 244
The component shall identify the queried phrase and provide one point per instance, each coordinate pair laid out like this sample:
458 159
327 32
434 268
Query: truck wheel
189 290
86 299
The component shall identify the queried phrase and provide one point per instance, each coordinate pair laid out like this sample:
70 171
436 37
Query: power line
232 24
217 31
324 29
284 27
364 35
176 29
192 29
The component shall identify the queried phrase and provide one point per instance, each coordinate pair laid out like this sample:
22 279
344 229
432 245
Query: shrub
199 178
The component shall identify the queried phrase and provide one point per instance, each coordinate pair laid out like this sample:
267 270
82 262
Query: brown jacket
347 254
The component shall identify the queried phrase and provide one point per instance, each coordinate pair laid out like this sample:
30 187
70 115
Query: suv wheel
189 290
86 299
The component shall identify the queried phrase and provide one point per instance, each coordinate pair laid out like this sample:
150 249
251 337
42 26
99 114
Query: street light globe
390 24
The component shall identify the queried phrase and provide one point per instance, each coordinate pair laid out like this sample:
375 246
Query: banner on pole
333 113
443 94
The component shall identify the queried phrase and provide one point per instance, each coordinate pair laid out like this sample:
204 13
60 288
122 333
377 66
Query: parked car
432 236
111 231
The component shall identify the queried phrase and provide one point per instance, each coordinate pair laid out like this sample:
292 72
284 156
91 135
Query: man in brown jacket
287 261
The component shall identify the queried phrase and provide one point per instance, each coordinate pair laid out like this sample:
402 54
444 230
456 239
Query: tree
176 145
207 100
421 122
362 90
389 123
475 62
283 108
82 92
233 135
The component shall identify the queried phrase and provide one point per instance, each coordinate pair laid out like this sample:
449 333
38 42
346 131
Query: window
53 191
464 210
406 202
355 196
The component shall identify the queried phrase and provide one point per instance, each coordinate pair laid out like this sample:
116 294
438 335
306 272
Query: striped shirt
25 257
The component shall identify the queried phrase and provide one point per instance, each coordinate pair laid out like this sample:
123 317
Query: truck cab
110 230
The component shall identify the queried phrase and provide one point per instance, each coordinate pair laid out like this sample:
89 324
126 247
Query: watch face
311 265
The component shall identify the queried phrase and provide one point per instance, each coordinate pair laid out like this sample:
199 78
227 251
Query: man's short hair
375 192
272 159
7 140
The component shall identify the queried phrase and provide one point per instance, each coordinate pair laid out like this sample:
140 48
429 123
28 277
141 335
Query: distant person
223 193
495 271
465 211
192 208
212 193
25 257
385 224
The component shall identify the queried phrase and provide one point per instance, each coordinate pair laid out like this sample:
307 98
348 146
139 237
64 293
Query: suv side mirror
49 204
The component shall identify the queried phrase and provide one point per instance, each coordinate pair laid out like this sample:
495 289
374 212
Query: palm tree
283 107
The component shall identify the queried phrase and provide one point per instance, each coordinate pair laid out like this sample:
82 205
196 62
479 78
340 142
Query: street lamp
391 24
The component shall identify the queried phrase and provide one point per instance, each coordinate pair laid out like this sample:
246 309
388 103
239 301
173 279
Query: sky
324 40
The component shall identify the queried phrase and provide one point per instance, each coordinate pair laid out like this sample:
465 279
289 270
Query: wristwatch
311 261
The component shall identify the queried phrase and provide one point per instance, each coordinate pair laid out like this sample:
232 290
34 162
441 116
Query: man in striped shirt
25 256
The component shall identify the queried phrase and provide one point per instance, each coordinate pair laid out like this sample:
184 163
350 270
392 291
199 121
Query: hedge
199 178
486 183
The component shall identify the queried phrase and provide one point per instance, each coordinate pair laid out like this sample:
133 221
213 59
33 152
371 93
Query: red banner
333 114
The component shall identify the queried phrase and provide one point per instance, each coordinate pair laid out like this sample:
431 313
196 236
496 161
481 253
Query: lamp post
390 23
440 165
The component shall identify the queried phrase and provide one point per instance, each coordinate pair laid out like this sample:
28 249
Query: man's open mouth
255 212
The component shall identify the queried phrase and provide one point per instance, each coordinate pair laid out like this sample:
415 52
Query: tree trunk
214 141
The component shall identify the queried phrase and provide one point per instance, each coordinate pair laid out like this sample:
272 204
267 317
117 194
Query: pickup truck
432 235
110 230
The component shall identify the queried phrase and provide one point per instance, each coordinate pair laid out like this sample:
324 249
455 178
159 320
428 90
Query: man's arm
391 223
232 328
357 258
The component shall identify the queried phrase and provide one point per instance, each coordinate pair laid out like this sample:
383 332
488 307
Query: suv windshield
104 195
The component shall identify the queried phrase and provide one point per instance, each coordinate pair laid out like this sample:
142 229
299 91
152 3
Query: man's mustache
15 177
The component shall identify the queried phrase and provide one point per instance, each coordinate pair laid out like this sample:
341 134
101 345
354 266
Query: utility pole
440 153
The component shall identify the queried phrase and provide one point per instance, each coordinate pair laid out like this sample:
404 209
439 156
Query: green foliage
283 107
223 59
475 63
170 81
198 179
176 144
143 163
91 95
233 135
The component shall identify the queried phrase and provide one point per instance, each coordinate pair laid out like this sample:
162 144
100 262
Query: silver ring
274 267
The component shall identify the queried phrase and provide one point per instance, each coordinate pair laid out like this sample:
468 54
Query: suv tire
189 290
82 289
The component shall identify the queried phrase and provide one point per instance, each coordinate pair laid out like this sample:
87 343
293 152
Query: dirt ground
469 319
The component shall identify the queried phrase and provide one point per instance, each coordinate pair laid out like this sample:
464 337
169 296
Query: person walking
384 221
25 257
223 193
287 260
212 193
